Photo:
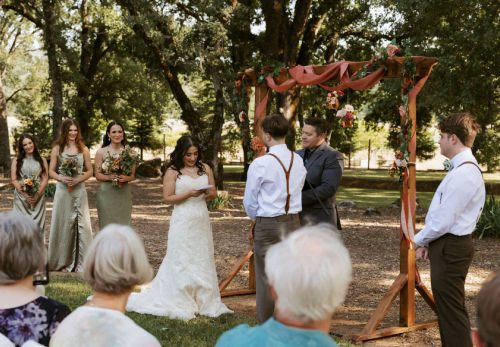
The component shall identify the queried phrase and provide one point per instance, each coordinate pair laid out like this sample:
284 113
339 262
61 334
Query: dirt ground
373 242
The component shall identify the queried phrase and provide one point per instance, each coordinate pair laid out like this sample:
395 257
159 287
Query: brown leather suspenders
471 162
287 175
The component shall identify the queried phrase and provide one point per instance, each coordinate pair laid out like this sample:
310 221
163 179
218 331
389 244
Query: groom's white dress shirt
457 203
265 192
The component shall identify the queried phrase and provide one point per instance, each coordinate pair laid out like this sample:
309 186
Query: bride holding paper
186 283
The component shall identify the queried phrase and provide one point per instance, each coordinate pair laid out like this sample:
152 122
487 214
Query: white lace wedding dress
186 283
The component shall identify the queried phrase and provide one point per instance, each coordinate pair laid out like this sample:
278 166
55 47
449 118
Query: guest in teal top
307 288
274 333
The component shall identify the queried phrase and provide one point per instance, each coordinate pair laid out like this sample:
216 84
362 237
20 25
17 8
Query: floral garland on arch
402 156
240 99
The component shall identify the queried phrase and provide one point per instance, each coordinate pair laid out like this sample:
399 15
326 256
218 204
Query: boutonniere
448 164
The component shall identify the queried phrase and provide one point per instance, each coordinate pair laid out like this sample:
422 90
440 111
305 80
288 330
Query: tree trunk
215 137
4 130
290 108
56 87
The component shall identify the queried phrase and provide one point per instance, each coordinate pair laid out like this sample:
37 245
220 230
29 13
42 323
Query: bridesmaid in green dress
30 166
70 229
114 197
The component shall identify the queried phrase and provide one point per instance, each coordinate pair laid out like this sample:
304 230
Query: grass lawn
421 175
383 174
364 197
377 197
198 332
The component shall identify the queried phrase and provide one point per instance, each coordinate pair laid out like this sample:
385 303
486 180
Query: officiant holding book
324 167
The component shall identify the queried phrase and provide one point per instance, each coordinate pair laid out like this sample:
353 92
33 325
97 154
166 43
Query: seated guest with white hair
309 273
114 264
24 314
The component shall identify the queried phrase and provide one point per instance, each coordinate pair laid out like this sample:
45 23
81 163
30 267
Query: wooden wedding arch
339 76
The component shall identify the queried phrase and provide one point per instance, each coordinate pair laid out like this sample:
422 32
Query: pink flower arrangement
393 50
402 111
332 99
242 116
348 116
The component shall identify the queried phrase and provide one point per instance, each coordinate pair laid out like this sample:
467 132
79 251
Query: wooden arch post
261 91
408 279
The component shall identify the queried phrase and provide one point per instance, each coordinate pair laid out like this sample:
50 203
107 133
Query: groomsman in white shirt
446 239
272 200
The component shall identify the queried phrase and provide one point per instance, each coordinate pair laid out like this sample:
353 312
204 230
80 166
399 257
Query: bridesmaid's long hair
21 154
106 140
62 140
177 156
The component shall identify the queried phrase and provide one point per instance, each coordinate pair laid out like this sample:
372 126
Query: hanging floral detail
347 115
258 147
402 156
242 116
332 100
399 165
394 51
240 99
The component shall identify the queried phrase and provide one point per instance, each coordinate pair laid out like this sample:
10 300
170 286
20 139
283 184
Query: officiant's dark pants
267 232
450 258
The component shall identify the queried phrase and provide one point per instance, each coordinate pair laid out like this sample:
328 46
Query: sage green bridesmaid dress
30 168
114 203
70 228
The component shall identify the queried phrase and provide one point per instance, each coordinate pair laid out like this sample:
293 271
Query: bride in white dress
186 283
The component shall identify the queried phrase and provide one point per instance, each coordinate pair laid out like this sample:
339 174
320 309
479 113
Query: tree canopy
143 61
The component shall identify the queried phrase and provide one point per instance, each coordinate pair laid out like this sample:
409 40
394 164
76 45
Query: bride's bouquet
120 164
68 167
30 185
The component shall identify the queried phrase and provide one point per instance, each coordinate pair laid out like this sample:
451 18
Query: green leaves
489 222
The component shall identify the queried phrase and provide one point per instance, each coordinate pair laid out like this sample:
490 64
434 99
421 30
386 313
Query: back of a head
310 272
116 261
275 125
21 247
488 312
463 125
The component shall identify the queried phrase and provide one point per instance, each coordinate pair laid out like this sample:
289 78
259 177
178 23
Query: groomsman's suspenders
287 175
471 162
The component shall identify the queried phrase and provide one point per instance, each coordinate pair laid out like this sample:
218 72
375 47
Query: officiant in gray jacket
324 167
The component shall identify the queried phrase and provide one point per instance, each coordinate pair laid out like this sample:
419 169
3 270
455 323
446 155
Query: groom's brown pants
450 257
267 232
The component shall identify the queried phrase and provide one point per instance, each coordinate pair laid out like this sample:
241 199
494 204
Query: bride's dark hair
177 156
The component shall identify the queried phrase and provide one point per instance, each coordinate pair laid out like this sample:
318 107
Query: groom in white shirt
446 239
273 200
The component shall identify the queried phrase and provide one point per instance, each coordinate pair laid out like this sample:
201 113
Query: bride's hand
195 193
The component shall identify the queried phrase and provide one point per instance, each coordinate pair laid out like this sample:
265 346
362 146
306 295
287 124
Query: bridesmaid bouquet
120 164
68 168
30 185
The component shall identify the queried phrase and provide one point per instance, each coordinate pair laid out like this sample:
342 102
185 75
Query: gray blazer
324 172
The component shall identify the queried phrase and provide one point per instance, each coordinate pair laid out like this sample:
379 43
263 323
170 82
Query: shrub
489 222
50 190
222 201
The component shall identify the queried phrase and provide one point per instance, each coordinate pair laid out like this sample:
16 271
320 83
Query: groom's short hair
310 272
275 125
